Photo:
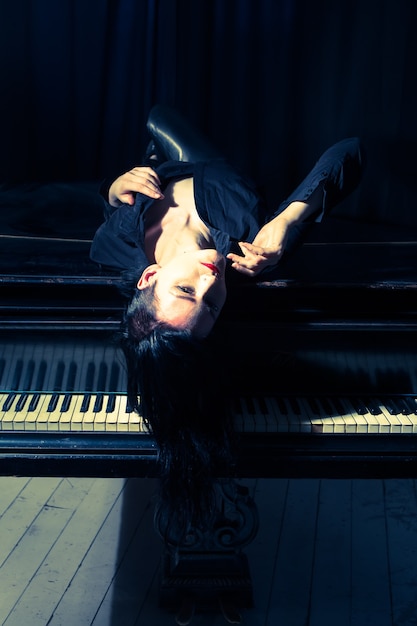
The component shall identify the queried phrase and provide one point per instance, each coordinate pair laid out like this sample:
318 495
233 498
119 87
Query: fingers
252 262
126 198
255 259
243 270
138 180
145 180
250 247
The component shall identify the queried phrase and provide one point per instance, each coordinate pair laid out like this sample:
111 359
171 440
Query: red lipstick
212 267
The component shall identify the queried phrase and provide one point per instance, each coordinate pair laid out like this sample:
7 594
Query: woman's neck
178 240
174 226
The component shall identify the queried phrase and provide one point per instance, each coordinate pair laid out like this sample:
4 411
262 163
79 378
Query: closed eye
212 306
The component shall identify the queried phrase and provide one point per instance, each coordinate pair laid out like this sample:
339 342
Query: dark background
271 82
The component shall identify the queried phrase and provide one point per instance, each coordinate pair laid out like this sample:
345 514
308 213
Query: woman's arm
269 244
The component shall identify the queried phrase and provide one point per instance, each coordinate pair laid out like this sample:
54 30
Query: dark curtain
272 82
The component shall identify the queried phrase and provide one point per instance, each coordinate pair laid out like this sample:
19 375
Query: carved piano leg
207 569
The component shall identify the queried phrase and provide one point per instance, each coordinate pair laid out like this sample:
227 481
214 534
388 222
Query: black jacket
228 204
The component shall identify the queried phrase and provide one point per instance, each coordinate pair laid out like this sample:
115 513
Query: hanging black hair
175 383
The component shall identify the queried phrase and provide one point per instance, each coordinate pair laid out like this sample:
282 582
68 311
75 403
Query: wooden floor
75 552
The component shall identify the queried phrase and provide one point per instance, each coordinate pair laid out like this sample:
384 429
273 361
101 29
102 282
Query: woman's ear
148 276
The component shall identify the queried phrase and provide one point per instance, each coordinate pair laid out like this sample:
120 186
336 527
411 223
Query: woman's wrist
295 212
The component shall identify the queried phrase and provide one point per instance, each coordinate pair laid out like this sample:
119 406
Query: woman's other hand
138 180
266 249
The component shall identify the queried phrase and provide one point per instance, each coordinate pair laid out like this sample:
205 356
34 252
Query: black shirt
226 202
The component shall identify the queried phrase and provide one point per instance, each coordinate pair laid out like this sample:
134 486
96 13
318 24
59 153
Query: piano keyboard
68 412
325 414
303 414
76 383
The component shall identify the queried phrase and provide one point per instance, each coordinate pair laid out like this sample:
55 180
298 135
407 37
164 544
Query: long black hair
175 383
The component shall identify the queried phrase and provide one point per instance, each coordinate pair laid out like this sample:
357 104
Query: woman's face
190 290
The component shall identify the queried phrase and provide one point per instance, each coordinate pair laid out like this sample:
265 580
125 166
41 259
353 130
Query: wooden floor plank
65 556
91 583
139 556
28 499
35 544
83 586
270 498
76 553
331 584
371 598
10 488
290 600
401 512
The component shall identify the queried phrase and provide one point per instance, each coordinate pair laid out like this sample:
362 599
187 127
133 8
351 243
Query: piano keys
326 414
110 412
313 380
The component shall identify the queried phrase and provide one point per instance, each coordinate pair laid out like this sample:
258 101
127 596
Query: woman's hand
138 180
266 249
269 244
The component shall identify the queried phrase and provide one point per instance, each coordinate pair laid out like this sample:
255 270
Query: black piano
322 352
321 360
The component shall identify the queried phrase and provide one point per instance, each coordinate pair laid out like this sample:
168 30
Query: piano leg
207 569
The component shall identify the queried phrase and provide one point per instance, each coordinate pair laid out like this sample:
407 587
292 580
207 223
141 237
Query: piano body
323 361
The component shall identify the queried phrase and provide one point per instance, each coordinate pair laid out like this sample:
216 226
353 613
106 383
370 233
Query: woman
177 230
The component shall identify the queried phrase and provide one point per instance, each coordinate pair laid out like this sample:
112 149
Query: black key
262 405
20 405
85 403
313 406
295 407
66 402
411 403
328 409
372 406
338 406
98 404
250 406
358 406
34 402
391 406
402 405
281 405
53 403
9 401
111 403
